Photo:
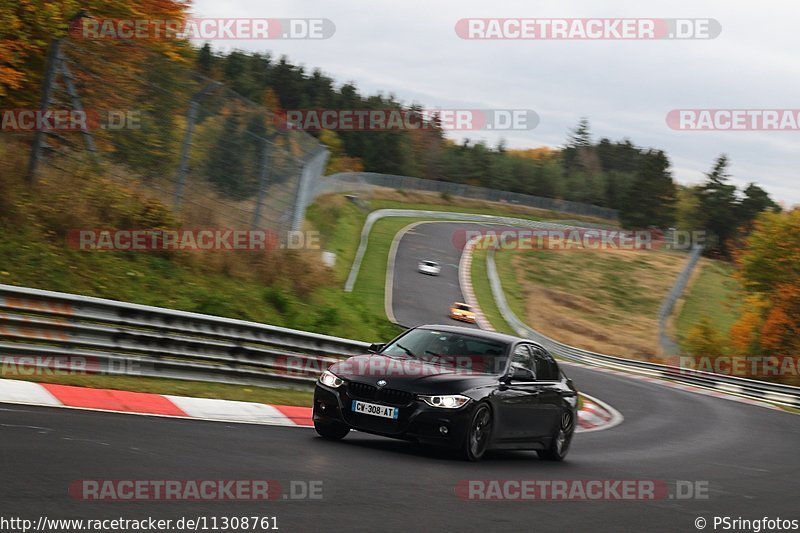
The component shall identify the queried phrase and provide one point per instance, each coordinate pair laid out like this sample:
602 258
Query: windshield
459 351
463 307
429 263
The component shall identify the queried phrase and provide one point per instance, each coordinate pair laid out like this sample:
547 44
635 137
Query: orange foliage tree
28 26
769 262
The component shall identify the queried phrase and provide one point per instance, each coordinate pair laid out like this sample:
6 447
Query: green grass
488 210
150 279
483 292
197 389
371 281
601 301
515 295
713 296
33 255
611 280
339 222
436 202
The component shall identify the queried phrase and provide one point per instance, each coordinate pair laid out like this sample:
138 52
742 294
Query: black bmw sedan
466 389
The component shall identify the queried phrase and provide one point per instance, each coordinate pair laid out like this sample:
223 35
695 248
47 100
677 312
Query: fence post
47 88
262 183
301 200
76 101
191 117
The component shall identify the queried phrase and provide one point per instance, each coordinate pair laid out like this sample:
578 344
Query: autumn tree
703 340
27 27
769 269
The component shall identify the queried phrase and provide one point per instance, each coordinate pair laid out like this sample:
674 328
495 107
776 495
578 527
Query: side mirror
376 347
518 373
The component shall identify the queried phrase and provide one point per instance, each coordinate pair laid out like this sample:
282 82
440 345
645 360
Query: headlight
445 402
330 379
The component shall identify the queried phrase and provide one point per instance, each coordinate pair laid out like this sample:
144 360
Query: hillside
288 288
604 301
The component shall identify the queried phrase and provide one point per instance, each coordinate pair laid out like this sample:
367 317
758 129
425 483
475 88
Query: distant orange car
463 312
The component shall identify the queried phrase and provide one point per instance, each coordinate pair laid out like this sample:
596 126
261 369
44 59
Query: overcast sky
625 88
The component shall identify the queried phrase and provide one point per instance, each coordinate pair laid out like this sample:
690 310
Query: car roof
482 333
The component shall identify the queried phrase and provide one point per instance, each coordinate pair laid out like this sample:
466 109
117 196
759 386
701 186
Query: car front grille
394 396
361 391
364 391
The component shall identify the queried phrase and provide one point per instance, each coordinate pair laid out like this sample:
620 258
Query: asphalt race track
421 299
748 455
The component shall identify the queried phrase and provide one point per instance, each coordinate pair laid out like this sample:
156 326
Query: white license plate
375 409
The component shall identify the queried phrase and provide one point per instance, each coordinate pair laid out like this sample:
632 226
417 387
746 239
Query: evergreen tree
719 206
651 198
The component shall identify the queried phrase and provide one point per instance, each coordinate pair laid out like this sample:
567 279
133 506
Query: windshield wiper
405 349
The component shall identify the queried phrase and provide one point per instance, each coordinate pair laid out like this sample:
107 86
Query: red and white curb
594 414
465 281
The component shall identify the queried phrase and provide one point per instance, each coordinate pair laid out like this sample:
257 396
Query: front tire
559 443
331 431
479 434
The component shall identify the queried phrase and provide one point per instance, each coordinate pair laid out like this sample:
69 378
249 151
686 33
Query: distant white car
431 268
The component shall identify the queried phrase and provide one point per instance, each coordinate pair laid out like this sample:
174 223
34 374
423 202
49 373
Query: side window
522 359
555 372
546 367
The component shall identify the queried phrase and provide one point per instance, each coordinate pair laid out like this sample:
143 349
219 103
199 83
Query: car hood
409 374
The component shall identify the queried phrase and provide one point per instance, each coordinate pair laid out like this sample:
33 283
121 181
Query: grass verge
597 300
712 295
483 293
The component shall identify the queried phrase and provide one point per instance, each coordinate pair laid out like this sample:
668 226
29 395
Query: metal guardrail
357 181
786 395
668 345
45 328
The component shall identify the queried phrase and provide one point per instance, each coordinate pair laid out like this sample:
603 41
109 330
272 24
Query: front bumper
417 421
